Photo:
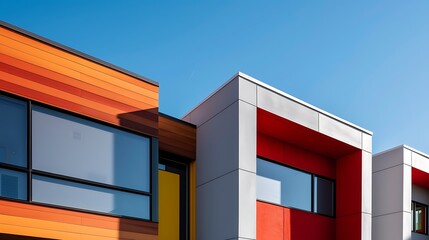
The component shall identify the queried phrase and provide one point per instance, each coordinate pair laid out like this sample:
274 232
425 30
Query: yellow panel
192 200
169 206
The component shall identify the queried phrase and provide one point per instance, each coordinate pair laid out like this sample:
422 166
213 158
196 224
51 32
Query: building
251 140
85 154
401 194
80 143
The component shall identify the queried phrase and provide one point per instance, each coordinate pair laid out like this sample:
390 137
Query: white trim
405 147
256 81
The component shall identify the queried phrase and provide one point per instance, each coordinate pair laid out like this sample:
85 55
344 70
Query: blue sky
365 61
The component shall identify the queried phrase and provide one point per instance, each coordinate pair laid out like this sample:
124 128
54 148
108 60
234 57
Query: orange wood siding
38 71
45 222
177 137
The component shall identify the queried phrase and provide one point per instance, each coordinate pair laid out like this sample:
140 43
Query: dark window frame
413 221
313 177
153 165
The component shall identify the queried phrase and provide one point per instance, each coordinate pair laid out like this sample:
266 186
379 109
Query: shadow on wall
127 154
4 236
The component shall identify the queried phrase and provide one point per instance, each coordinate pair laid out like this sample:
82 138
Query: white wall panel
388 159
218 145
340 131
388 227
366 182
366 142
287 108
214 104
366 226
247 204
217 208
388 191
420 162
247 136
247 91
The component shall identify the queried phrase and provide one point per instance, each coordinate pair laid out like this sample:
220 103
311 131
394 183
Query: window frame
413 221
313 177
28 170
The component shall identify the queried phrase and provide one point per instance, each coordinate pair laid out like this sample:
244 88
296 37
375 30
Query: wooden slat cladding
39 71
45 222
177 137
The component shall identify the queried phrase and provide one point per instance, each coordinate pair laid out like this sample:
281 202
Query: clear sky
365 61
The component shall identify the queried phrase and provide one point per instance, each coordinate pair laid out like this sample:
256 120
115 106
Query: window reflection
283 185
13 184
75 147
77 195
13 131
293 188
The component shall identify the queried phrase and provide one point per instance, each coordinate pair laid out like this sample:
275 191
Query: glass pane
13 184
75 147
282 185
13 131
324 196
420 218
82 196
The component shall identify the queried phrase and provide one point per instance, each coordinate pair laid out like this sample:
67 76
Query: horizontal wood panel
65 221
25 42
179 126
177 137
150 128
73 73
40 72
177 151
90 84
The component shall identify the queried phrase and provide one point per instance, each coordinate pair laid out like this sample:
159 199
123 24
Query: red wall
279 223
277 150
320 154
349 196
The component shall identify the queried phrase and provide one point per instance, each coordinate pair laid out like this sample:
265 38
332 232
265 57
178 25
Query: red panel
276 222
270 148
301 225
298 135
349 228
269 221
420 178
349 184
288 154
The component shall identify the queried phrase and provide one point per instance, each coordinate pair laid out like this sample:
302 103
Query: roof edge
404 146
297 100
262 84
177 120
75 52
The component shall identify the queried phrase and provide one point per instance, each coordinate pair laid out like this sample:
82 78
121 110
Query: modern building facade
401 194
270 166
85 154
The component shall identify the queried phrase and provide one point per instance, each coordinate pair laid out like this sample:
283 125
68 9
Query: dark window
324 196
13 184
13 131
84 196
71 146
419 222
51 157
294 188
